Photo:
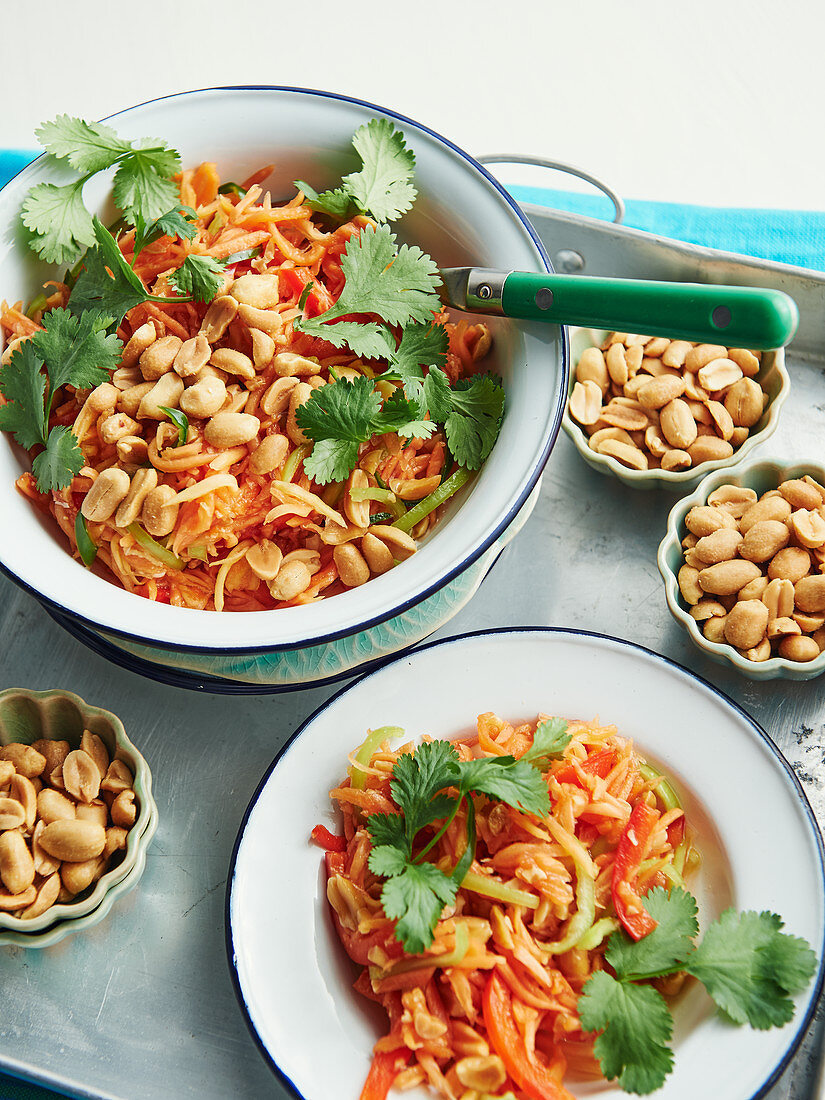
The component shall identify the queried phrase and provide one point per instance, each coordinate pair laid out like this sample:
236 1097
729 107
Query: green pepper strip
36 305
144 539
372 494
198 550
291 465
364 754
452 958
85 547
490 888
597 933
582 920
670 800
437 497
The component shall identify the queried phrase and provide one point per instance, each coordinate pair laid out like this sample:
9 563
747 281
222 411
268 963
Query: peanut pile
653 403
754 572
65 817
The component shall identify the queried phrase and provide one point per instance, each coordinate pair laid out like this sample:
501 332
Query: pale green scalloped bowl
759 476
26 716
773 377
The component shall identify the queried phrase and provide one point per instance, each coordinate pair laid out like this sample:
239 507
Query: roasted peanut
81 776
269 455
12 814
400 544
192 357
73 841
265 560
414 488
767 507
132 450
709 448
159 514
628 454
292 579
165 394
27 760
46 897
792 564
16 863
356 511
727 577
54 806
108 490
78 875
377 554
801 648
720 545
233 362
116 427
586 402
217 319
592 368
288 364
229 429
205 398
23 790
809 593
263 348
808 527
266 320
746 624
299 396
159 357
704 520
260 291
139 341
275 400
617 364
96 811
142 483
764 539
55 753
353 569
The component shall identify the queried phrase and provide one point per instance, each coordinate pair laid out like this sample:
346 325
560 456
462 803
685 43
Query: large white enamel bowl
462 216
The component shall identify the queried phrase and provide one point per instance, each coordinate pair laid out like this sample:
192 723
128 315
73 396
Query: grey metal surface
142 1006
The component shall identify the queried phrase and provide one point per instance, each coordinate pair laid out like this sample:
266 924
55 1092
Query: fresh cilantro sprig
422 786
383 187
746 963
60 226
109 283
74 351
342 415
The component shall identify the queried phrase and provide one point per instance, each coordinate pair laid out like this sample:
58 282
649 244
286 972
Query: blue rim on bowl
759 476
634 683
178 630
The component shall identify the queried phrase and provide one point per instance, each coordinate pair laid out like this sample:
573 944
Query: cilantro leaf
142 187
550 740
744 960
174 223
55 467
23 385
508 780
397 284
384 186
415 899
200 276
420 345
472 427
78 351
388 860
635 1027
337 203
417 779
181 422
369 341
341 410
667 946
438 394
89 147
107 283
61 226
403 416
331 460
387 829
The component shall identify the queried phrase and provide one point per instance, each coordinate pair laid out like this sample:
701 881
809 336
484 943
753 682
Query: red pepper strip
527 1072
386 1065
336 863
597 763
676 832
629 854
325 839
296 279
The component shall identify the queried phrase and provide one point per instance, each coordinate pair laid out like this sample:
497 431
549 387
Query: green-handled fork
735 316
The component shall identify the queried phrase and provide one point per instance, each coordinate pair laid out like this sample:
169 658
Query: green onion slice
371 743
231 188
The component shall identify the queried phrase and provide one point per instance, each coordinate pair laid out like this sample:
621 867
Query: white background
713 101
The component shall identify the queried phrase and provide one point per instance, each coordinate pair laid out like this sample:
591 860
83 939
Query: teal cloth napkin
785 236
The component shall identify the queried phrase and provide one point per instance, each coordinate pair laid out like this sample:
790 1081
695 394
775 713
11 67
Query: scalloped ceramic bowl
27 716
461 216
759 476
773 378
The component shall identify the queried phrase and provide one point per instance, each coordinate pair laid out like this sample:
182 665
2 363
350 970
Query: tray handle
560 166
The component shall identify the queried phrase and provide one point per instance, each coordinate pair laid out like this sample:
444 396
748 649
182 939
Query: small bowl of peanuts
76 814
743 563
660 414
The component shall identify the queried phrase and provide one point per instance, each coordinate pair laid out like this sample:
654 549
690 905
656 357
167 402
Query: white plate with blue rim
760 846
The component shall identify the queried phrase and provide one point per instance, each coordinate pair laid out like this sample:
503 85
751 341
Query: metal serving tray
142 1005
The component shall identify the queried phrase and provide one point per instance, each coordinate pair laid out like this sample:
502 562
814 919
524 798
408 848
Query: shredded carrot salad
490 1008
227 500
